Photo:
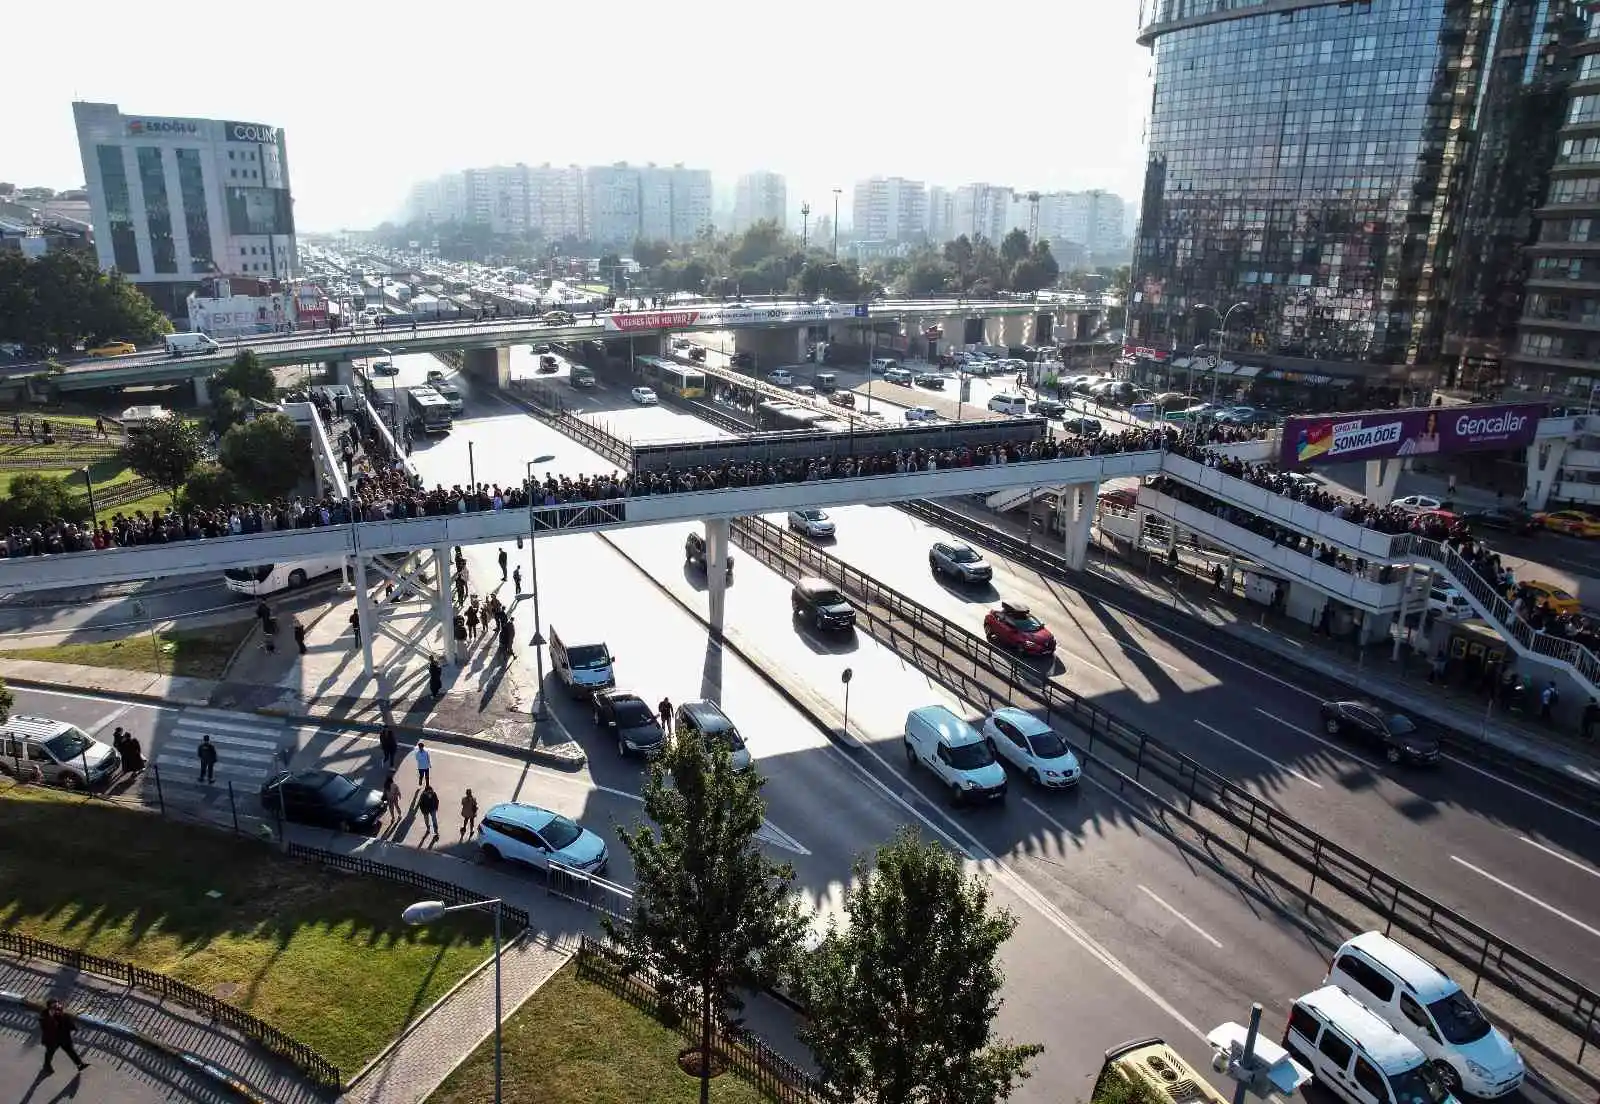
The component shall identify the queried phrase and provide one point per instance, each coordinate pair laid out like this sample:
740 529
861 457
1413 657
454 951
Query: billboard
1421 431
249 132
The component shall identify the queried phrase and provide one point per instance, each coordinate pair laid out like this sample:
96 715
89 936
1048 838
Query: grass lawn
321 955
196 653
107 472
576 1043
82 421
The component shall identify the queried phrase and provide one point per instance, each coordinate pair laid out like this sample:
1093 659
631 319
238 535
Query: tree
611 271
40 499
249 377
712 915
268 456
1014 247
165 451
7 701
62 298
651 254
209 487
903 998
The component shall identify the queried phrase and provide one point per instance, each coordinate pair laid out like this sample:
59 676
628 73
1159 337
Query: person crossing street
469 814
207 752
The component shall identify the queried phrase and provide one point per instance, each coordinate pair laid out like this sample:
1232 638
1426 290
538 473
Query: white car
1418 503
643 396
813 523
780 377
1033 747
921 414
537 837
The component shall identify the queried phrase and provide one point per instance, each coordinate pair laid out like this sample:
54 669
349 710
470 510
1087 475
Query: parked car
1393 733
1083 427
643 396
901 376
322 799
931 380
921 414
1559 600
57 753
705 721
812 522
820 603
630 720
694 552
1033 747
960 562
1015 628
526 834
1574 523
1509 519
1050 408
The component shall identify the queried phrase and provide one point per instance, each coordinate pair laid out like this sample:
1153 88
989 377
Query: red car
1015 627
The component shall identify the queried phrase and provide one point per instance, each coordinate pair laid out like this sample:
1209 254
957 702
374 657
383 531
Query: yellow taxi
1559 600
114 349
1572 522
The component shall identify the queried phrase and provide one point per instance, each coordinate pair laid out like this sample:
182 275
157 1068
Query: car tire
622 748
1452 1079
956 797
911 755
1393 755
70 781
1033 777
1331 726
297 578
490 852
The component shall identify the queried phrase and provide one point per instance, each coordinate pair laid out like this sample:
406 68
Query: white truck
185 344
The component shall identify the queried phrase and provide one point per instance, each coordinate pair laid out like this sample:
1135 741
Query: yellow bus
1148 1071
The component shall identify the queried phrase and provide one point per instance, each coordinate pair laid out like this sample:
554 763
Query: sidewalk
121 1069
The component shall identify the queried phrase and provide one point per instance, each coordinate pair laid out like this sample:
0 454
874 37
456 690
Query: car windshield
1047 745
68 745
1027 623
634 713
1459 1020
588 656
561 833
1419 1086
813 515
827 597
963 554
970 756
337 789
1400 725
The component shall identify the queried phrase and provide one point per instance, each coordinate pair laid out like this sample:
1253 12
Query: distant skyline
372 106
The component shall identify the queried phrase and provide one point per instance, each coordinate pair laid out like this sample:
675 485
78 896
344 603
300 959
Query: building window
192 185
1583 109
119 209
157 211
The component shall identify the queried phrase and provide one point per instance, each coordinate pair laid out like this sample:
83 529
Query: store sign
1146 353
1420 431
250 132
158 128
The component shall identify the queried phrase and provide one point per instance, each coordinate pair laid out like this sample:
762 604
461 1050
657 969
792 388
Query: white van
956 753
1355 1055
56 753
185 344
1006 403
883 364
1418 1000
1447 601
921 414
781 377
582 668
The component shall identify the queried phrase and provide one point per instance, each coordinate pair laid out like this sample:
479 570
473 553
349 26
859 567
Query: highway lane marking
99 726
1499 780
1308 734
1258 754
1585 867
97 698
1526 896
1196 928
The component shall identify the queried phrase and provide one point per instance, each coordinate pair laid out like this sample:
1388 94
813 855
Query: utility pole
1033 218
836 192
805 225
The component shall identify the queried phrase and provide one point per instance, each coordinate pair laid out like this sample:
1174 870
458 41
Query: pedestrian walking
388 745
469 814
132 753
516 580
502 565
428 806
1548 697
207 751
664 710
56 1026
391 798
424 765
472 620
299 636
435 678
263 613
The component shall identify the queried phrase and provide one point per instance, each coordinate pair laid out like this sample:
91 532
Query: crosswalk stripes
247 750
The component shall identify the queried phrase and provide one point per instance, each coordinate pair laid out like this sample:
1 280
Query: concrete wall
492 366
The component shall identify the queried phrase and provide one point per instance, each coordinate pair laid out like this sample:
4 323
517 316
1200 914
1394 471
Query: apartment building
760 197
889 208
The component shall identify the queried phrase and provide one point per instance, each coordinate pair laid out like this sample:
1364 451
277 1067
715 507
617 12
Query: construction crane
1033 215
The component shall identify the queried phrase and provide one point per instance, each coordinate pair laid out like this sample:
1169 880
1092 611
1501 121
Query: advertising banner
249 132
777 315
1420 431
651 320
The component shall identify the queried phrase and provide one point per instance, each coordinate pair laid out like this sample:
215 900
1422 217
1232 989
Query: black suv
694 552
742 360
820 602
630 720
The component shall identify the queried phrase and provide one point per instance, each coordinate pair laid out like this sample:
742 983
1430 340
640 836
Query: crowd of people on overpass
1300 488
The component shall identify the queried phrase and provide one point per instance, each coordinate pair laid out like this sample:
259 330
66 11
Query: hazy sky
374 97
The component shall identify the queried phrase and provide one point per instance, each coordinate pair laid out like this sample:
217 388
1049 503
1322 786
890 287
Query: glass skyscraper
1329 163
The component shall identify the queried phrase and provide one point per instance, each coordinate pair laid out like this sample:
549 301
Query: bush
39 499
210 487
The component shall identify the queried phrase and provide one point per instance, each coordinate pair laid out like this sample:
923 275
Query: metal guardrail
1461 743
448 892
313 1065
589 890
937 645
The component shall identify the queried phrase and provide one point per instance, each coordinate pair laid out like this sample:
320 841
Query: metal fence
956 655
313 1065
448 892
591 891
745 1054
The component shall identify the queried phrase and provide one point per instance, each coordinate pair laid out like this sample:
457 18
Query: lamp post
538 630
428 912
805 225
88 481
836 192
1222 341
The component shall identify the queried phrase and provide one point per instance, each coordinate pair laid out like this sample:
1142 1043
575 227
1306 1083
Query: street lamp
1222 341
836 192
537 642
428 912
88 482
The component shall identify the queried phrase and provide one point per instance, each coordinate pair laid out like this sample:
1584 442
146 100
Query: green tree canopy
36 499
651 254
712 915
62 298
249 377
267 456
8 701
165 452
209 487
902 999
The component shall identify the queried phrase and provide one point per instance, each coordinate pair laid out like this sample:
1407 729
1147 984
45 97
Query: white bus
270 578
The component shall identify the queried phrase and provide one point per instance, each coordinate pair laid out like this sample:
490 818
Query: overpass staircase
1397 551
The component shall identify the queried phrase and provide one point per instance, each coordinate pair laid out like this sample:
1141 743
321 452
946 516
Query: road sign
863 310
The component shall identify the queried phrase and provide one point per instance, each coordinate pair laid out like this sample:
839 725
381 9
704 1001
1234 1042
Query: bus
782 415
1150 1071
270 578
428 410
664 375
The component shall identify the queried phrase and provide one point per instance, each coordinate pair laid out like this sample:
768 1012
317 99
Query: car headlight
1052 774
1478 1071
970 783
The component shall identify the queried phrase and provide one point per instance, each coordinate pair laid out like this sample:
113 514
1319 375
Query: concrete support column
717 532
444 604
1544 471
1405 607
367 617
1382 477
1084 496
202 391
491 366
342 371
1233 566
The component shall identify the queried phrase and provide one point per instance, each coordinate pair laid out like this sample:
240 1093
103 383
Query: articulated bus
686 383
270 578
1148 1071
428 410
782 415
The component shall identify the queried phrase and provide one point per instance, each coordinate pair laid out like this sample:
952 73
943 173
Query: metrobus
1149 1070
428 410
686 383
261 579
782 415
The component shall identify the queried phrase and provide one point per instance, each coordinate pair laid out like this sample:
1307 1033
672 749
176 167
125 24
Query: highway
1078 857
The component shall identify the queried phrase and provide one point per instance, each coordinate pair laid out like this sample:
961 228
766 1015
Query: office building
889 208
941 215
1329 165
760 197
177 200
983 211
